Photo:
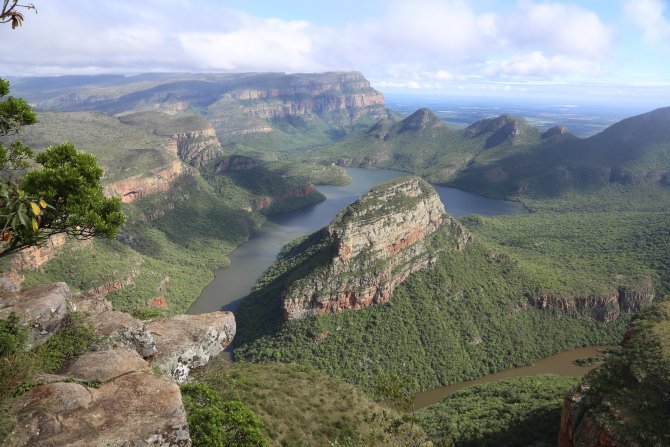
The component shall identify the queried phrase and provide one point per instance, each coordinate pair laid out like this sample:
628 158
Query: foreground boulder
106 398
372 246
42 308
185 342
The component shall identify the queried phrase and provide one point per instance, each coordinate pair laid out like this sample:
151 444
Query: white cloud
649 15
537 64
411 43
558 28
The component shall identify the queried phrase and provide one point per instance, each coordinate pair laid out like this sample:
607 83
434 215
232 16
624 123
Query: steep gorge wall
603 308
376 243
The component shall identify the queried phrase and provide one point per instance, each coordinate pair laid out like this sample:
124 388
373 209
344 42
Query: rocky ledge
372 246
125 393
624 402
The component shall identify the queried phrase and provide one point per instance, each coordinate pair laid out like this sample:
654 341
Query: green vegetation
215 422
585 253
64 196
301 406
422 144
121 149
19 365
464 318
629 394
520 411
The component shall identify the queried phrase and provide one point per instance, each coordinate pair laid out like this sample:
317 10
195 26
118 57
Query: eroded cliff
372 246
624 402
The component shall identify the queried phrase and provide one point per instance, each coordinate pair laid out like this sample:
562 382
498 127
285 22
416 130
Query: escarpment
372 246
604 308
624 402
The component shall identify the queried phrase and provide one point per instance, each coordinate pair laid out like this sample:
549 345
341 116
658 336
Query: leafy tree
64 196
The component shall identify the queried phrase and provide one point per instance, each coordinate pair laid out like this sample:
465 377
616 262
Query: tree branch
10 12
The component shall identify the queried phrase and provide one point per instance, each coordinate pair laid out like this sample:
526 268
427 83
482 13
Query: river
252 258
560 364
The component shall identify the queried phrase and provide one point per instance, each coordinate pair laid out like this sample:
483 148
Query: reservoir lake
253 257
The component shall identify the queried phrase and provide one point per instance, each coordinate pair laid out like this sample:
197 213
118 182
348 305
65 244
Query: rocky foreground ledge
375 244
127 392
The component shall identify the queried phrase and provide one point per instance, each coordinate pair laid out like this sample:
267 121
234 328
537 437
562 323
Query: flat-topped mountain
370 248
259 110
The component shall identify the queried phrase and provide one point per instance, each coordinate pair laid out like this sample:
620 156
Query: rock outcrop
198 147
105 398
185 342
42 308
624 402
136 187
556 130
604 308
126 393
372 246
301 95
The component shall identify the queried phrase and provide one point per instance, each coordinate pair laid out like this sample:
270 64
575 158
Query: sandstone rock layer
375 244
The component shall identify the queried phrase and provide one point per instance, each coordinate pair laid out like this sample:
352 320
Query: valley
301 205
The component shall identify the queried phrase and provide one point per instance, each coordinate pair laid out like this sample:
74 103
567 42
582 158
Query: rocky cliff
125 391
604 308
624 402
372 246
138 186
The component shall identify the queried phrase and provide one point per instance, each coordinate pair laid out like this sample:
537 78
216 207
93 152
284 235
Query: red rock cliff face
138 186
377 243
342 91
580 429
604 308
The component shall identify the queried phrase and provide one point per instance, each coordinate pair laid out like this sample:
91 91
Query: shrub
214 421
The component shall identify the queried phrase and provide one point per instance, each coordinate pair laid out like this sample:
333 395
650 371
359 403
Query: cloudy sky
616 49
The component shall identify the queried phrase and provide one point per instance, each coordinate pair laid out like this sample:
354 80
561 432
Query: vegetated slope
122 150
180 225
630 155
423 144
520 411
627 166
479 308
625 401
300 405
270 113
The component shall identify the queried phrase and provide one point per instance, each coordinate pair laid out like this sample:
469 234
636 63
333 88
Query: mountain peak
556 130
370 248
421 119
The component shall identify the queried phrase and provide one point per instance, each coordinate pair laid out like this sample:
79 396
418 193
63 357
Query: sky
588 50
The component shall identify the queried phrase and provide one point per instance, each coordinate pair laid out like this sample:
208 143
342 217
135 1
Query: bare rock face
43 308
198 147
185 342
604 308
131 407
376 243
121 329
556 130
136 187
